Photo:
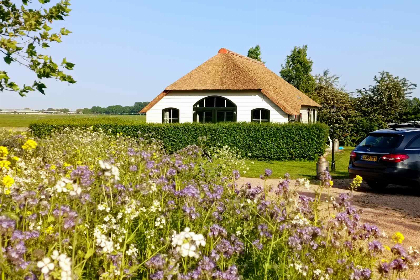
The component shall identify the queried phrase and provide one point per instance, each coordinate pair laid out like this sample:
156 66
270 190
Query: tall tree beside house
337 110
255 53
384 101
26 31
297 70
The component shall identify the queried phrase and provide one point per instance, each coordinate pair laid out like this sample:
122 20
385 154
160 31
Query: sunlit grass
20 120
299 169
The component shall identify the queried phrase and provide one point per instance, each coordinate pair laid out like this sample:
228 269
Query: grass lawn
15 120
299 169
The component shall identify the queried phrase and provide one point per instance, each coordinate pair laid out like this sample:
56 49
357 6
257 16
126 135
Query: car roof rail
411 124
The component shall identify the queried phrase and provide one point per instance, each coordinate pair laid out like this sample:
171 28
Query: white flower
45 265
199 240
188 250
55 255
76 190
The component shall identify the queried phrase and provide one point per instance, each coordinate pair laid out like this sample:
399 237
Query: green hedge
292 141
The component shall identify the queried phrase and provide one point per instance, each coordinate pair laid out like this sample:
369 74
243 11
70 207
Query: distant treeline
114 109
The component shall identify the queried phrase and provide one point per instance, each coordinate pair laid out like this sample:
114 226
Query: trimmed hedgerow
292 141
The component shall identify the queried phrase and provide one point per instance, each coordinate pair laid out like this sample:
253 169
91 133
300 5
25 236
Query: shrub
86 205
293 141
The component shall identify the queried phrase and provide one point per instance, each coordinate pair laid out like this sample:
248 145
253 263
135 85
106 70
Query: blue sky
130 50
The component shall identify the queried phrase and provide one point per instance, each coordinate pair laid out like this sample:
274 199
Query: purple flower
156 262
264 232
257 244
384 267
398 249
206 264
399 264
171 172
157 276
216 230
236 174
268 172
6 224
224 247
295 243
376 246
150 164
84 174
133 168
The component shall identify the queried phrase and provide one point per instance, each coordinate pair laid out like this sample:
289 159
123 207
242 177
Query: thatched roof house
231 87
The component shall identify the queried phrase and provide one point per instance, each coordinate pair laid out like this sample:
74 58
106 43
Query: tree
297 70
255 53
411 110
337 110
24 33
385 101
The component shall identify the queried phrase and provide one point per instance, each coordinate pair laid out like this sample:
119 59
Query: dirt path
395 209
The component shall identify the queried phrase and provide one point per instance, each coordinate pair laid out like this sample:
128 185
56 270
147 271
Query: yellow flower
66 164
49 230
53 167
7 191
79 162
8 181
387 248
4 164
29 145
398 237
15 158
331 183
3 152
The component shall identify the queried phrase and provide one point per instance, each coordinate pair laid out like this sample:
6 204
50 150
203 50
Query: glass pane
256 115
415 144
175 113
265 115
165 116
210 101
205 117
220 102
381 141
225 116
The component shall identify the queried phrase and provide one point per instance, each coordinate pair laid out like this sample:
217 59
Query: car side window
415 144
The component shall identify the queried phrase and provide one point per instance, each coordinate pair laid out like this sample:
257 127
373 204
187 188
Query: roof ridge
226 51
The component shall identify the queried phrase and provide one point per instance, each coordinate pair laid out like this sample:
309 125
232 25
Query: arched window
213 109
170 115
260 115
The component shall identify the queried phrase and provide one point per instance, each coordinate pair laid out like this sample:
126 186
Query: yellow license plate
369 158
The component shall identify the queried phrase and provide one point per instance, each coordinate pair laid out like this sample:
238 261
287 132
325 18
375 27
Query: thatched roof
231 71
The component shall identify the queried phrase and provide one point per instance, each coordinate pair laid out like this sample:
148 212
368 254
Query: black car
388 156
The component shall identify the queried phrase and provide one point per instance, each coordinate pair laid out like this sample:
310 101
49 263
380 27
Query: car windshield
381 141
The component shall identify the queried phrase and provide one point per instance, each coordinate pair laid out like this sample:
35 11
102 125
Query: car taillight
394 158
353 155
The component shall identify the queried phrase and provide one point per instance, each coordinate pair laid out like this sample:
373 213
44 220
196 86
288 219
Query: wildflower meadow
86 205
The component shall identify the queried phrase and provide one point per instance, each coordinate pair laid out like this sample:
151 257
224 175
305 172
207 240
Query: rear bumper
394 175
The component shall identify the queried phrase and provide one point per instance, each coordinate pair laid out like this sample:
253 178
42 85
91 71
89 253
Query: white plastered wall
245 101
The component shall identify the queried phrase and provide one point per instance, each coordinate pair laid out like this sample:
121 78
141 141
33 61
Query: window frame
213 110
260 119
171 118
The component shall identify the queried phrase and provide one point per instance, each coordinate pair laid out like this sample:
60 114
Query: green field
15 120
299 169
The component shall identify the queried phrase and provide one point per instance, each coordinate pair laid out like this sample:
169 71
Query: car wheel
377 185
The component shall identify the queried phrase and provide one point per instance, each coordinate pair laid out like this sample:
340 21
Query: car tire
377 185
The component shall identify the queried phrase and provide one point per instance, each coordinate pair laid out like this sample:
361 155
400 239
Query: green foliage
23 32
385 100
297 70
255 53
337 108
115 109
411 110
262 141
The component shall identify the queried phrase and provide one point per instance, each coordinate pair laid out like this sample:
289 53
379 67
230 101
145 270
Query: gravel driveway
397 208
